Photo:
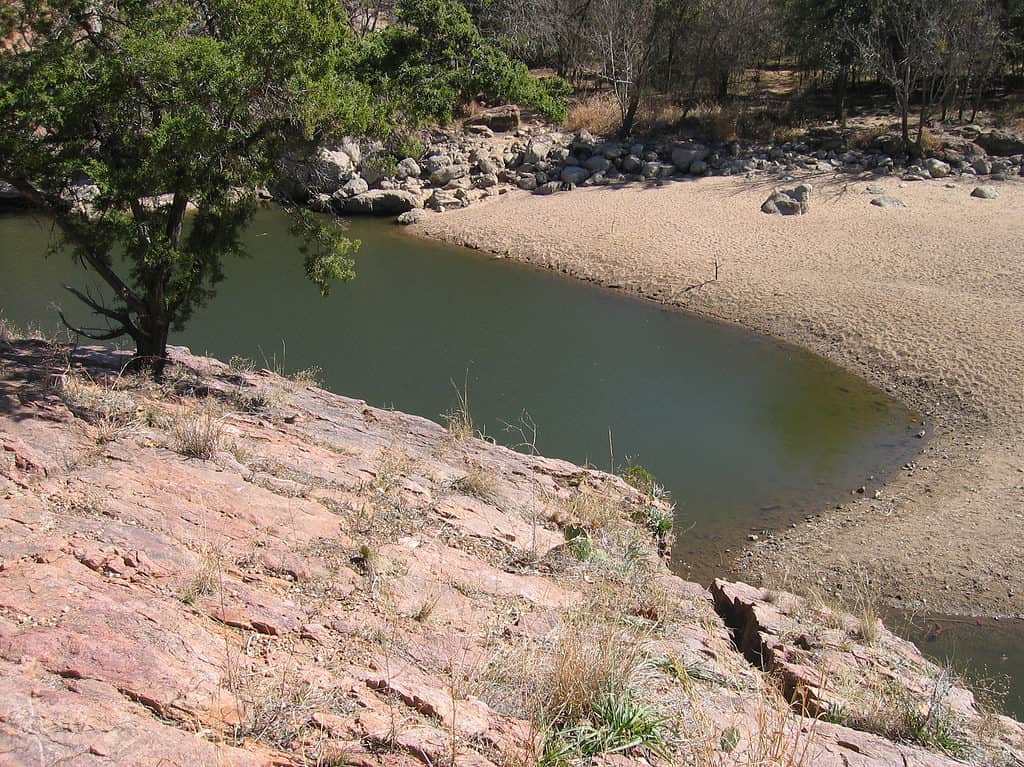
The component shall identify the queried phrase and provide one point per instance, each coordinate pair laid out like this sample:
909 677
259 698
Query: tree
434 59
166 107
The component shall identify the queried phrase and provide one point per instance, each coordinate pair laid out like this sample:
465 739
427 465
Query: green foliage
618 723
165 107
641 479
435 59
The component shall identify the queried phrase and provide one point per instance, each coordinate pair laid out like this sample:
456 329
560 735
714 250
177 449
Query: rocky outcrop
853 670
1000 143
344 584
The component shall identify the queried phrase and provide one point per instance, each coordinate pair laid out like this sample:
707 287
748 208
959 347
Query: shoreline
969 474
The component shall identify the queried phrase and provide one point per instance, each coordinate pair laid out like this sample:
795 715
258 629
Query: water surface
745 431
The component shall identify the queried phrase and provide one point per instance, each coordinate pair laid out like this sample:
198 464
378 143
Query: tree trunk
150 337
630 116
905 105
841 86
723 87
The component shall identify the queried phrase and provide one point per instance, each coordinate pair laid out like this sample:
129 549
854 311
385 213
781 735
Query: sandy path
928 301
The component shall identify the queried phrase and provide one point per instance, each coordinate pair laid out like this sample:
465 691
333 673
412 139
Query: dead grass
459 419
205 578
478 482
589 658
196 432
591 511
597 113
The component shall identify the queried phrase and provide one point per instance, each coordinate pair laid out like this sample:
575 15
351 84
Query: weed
311 376
458 419
638 477
241 365
426 609
205 578
196 433
478 482
618 723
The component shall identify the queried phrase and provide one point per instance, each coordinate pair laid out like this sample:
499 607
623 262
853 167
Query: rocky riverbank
233 567
922 298
495 153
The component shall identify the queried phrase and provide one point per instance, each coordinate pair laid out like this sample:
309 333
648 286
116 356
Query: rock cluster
340 584
494 154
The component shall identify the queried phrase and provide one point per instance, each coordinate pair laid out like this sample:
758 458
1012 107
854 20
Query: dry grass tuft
196 433
864 138
589 659
592 511
597 113
459 420
478 482
206 577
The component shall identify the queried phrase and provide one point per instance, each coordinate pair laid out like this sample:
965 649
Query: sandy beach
927 301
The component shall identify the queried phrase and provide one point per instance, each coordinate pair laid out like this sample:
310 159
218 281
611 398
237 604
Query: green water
988 653
745 432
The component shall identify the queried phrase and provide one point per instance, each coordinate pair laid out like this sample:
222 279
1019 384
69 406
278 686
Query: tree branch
108 336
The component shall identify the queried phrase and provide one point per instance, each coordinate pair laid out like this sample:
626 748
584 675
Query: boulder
537 151
631 163
549 188
597 163
408 168
329 169
936 168
354 186
795 201
528 182
684 155
413 216
351 147
574 174
984 192
498 119
443 199
1000 143
382 202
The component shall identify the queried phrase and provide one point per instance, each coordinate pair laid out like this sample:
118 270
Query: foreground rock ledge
324 582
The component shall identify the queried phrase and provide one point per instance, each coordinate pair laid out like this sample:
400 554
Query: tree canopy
171 106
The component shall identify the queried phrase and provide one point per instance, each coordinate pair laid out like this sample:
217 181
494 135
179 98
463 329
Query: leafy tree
167 106
435 59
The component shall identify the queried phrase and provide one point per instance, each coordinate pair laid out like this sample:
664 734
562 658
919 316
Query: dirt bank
924 300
